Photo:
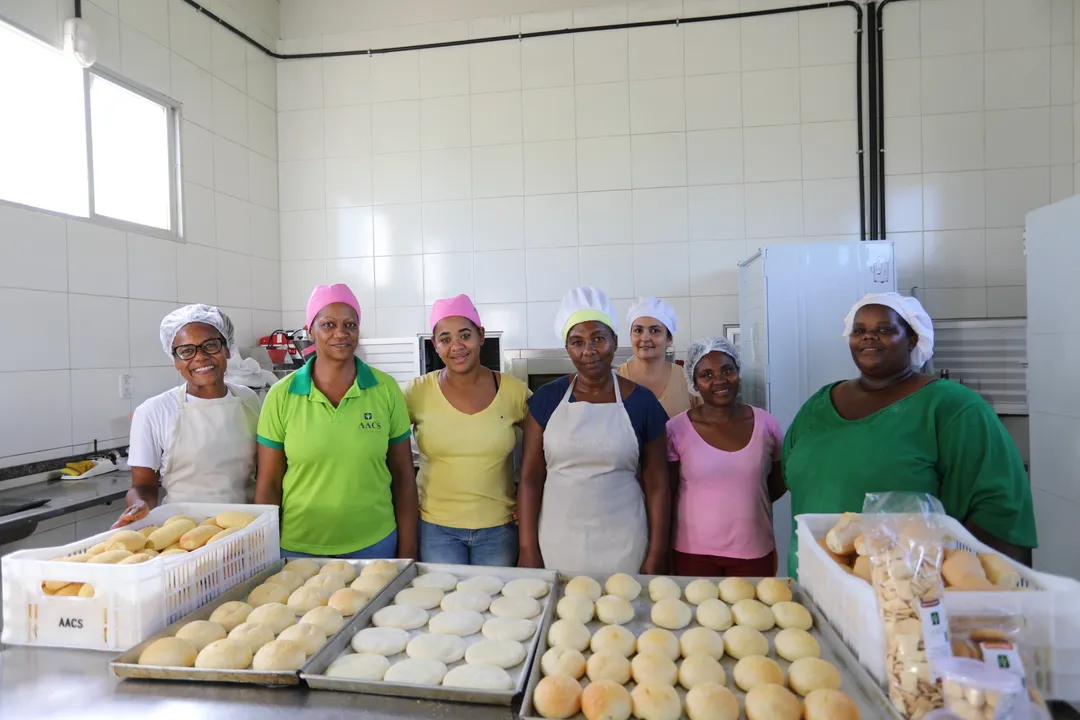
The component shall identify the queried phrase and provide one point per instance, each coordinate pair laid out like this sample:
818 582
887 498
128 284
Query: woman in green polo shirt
893 428
333 446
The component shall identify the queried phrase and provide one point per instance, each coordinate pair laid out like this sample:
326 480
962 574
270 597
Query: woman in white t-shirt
196 440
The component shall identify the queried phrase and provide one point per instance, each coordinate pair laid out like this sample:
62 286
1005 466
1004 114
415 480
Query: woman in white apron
197 440
587 438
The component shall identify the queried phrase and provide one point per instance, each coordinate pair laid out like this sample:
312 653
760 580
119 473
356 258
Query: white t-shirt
152 425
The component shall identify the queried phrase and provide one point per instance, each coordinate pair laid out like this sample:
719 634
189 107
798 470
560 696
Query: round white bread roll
660 641
406 617
266 594
534 588
201 633
304 567
653 668
701 641
608 666
500 653
279 655
576 607
810 674
484 583
700 590
515 606
654 701
444 648
557 696
348 602
614 610
169 652
444 581
380 567
757 670
772 590
606 700
380 641
370 585
326 618
252 634
416 671
741 641
306 635
475 600
480 677
793 644
624 586
287 579
671 614
342 568
306 598
224 655
331 583
792 615
584 585
457 622
422 597
664 587
715 615
562 661
274 615
229 615
569 633
734 589
516 629
772 702
829 704
359 666
711 702
753 614
615 639
701 670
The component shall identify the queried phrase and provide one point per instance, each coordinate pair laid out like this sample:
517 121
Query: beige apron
211 455
592 518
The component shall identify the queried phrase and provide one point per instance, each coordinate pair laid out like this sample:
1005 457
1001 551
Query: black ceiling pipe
877 67
874 89
78 8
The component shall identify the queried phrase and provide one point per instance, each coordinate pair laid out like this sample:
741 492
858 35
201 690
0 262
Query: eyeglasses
211 347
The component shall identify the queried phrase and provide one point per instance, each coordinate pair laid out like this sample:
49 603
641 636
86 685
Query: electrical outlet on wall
125 386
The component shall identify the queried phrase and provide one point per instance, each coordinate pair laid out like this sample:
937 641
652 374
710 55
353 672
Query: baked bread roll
741 641
275 615
229 615
386 568
809 674
963 571
614 610
173 551
359 667
325 618
841 537
500 653
584 585
181 518
752 614
606 700
576 607
444 648
169 533
422 597
370 585
561 660
441 580
267 593
306 568
701 670
999 571
287 579
792 615
224 655
700 590
342 568
222 535
146 531
169 652
653 701
557 696
861 568
653 668
279 655
793 644
659 641
109 557
234 519
405 617
828 704
860 546
757 670
734 589
664 587
479 677
613 638
86 591
773 590
711 702
69 590
306 635
211 521
671 614
201 633
624 586
534 588
701 641
772 702
515 629
516 606
488 584
348 602
715 615
306 599
841 560
474 600
129 540
380 641
569 633
254 635
330 583
608 666
416 672
457 622
198 536
137 558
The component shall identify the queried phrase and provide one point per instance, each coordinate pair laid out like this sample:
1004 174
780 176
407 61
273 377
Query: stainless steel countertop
65 496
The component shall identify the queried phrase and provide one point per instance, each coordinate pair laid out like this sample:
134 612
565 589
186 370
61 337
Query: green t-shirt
943 439
336 491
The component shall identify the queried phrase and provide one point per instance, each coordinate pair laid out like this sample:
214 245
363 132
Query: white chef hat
582 304
701 348
174 322
914 315
654 308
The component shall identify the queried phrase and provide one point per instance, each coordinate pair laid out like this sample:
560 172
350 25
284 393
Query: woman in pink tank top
724 460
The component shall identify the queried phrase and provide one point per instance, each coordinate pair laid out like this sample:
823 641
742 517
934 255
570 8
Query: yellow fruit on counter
169 533
110 557
177 518
197 537
129 540
234 519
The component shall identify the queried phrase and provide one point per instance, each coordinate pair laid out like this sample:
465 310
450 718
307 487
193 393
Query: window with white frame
83 142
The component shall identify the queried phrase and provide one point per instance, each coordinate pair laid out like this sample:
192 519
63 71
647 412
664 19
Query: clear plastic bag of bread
998 640
905 539
973 690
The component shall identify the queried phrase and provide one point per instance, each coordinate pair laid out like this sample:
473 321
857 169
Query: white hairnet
699 349
914 315
172 323
654 308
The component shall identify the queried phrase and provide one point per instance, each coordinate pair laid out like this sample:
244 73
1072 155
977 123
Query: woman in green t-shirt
893 428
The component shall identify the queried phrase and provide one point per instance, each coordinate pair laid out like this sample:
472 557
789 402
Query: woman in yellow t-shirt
464 417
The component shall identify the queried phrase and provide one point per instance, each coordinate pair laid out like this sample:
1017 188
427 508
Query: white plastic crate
1051 609
131 602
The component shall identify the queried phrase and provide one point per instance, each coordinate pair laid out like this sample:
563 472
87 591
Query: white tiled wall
979 130
82 301
648 161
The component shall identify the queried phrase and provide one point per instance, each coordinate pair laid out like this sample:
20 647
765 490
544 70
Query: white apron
592 518
211 456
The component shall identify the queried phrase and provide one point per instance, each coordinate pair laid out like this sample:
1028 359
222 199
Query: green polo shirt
336 491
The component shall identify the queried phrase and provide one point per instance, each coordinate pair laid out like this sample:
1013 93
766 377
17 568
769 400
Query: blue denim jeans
385 548
488 546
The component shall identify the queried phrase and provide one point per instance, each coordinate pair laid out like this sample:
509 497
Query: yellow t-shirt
466 475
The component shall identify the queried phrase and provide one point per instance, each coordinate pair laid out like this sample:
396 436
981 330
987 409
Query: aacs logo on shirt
369 424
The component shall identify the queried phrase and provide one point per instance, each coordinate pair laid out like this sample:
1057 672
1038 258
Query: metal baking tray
857 682
313 675
127 665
